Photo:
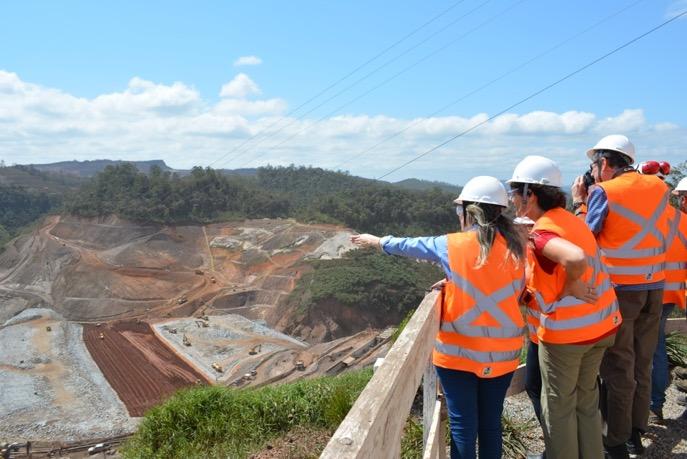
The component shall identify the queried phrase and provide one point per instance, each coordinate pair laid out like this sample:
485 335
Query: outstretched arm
423 248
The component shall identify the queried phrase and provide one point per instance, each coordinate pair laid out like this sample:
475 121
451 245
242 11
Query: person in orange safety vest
627 213
673 295
478 345
577 307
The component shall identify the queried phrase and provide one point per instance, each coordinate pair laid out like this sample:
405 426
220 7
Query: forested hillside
307 194
20 207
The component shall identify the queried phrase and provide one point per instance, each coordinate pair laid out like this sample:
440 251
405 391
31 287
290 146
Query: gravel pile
50 388
665 440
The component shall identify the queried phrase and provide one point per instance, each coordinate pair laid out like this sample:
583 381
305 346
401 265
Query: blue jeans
474 410
533 379
659 371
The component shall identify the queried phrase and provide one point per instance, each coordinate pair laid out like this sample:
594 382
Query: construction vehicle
300 365
186 341
48 328
217 367
97 448
255 349
213 280
182 300
199 272
173 331
201 324
101 336
6 449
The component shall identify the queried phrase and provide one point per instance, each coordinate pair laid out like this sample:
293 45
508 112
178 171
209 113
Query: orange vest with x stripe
481 325
633 237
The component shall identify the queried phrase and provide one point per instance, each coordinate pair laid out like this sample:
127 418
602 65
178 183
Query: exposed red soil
141 369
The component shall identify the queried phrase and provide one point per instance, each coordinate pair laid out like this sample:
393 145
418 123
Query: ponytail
489 220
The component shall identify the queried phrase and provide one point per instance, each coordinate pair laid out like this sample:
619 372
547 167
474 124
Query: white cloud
675 8
247 60
174 122
241 86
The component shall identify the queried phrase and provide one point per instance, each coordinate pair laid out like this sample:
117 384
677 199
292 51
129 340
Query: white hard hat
538 170
615 142
488 190
681 186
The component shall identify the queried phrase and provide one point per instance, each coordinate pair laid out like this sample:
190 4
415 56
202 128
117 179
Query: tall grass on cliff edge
676 348
219 422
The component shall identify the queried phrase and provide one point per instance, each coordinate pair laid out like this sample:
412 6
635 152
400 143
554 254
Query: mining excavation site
102 319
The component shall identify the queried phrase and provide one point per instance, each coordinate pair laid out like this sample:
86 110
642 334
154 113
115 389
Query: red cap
664 167
649 167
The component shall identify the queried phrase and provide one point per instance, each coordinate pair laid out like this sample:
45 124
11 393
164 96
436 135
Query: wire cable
489 83
393 77
534 94
348 75
273 134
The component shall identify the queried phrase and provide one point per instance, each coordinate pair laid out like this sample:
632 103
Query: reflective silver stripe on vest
569 301
676 265
673 286
532 328
579 322
646 270
673 226
648 226
489 303
683 238
476 356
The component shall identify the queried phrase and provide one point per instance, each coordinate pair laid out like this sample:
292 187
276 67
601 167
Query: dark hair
489 219
548 197
615 159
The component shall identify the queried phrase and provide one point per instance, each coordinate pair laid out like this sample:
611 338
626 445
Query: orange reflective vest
568 320
632 239
676 259
481 325
533 312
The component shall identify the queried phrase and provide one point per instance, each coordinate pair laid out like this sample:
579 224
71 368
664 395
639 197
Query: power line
349 74
534 94
363 78
489 83
393 77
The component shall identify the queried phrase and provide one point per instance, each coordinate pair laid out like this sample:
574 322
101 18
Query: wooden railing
374 425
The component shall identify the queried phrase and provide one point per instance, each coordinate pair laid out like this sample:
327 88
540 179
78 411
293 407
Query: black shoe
655 416
634 445
616 452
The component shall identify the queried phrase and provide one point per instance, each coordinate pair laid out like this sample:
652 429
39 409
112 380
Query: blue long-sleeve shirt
432 248
597 211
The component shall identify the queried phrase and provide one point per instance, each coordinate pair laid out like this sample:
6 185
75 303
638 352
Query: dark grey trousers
626 366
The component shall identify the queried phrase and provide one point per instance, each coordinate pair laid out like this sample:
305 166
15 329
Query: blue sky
143 80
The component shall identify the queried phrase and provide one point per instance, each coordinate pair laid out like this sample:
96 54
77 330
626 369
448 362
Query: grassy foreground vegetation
219 422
